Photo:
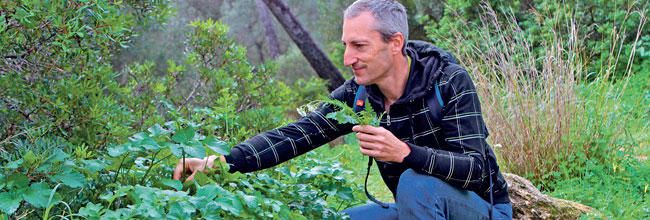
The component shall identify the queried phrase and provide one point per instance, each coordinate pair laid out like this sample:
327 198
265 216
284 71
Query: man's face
365 51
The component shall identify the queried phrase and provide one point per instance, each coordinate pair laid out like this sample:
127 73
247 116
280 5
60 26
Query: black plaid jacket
451 150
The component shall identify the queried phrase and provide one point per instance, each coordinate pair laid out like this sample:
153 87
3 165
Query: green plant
68 148
56 69
344 114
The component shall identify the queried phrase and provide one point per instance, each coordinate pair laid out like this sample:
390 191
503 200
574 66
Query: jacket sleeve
461 163
273 147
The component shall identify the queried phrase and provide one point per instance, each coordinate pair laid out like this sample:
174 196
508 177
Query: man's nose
349 58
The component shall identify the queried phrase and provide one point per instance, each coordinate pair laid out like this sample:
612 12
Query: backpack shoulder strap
436 104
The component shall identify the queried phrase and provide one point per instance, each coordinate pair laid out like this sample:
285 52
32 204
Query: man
435 168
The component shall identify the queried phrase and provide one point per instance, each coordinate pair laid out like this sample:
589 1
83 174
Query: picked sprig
344 114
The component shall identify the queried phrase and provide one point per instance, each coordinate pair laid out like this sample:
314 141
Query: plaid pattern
450 149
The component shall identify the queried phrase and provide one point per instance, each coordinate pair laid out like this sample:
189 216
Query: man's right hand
194 165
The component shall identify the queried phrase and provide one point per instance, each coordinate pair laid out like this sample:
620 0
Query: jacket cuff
234 160
418 157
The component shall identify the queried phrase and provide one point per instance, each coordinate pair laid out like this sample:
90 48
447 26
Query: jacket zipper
388 119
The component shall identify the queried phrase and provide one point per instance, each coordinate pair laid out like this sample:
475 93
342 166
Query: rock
529 203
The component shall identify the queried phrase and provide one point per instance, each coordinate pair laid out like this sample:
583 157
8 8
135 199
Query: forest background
100 99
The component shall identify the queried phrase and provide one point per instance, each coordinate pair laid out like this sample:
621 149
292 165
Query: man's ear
396 42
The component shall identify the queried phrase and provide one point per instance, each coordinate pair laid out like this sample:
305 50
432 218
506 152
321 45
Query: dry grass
529 99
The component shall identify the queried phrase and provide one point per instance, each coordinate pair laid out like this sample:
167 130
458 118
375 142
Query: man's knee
413 185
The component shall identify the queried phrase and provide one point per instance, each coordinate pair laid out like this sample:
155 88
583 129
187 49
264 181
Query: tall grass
531 97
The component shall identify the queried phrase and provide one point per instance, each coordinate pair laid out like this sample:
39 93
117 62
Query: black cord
365 187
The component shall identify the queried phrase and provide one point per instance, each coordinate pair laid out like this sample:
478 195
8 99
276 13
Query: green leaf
3 181
30 158
184 135
9 202
231 204
70 178
211 191
149 144
174 184
17 181
138 137
176 149
197 150
91 211
118 150
57 156
194 149
250 201
181 210
38 195
342 118
158 130
94 165
217 145
14 164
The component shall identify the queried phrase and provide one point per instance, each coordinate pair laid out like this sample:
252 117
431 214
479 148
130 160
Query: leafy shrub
56 72
67 145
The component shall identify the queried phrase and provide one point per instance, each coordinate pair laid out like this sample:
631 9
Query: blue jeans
426 197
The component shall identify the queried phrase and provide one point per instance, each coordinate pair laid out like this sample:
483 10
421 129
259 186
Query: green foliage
56 70
344 114
69 122
608 28
618 190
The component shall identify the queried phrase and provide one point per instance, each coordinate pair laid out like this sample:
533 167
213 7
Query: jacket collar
427 62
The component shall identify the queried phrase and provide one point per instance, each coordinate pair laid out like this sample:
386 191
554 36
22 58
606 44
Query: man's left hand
381 144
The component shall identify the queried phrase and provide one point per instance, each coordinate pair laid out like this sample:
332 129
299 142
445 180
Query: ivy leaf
9 202
149 144
158 130
194 149
57 156
176 149
91 211
211 191
118 150
181 210
14 164
230 204
250 201
184 135
217 145
17 180
138 137
197 150
94 165
38 195
174 184
70 178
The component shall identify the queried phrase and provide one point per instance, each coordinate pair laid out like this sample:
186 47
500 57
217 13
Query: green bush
67 121
56 71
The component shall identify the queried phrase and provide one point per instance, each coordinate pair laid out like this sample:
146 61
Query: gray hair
390 15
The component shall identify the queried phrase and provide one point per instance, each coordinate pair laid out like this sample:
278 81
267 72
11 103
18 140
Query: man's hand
381 144
194 165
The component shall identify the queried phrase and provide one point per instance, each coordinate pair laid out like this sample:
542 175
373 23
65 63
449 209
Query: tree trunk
269 32
526 5
314 55
529 203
